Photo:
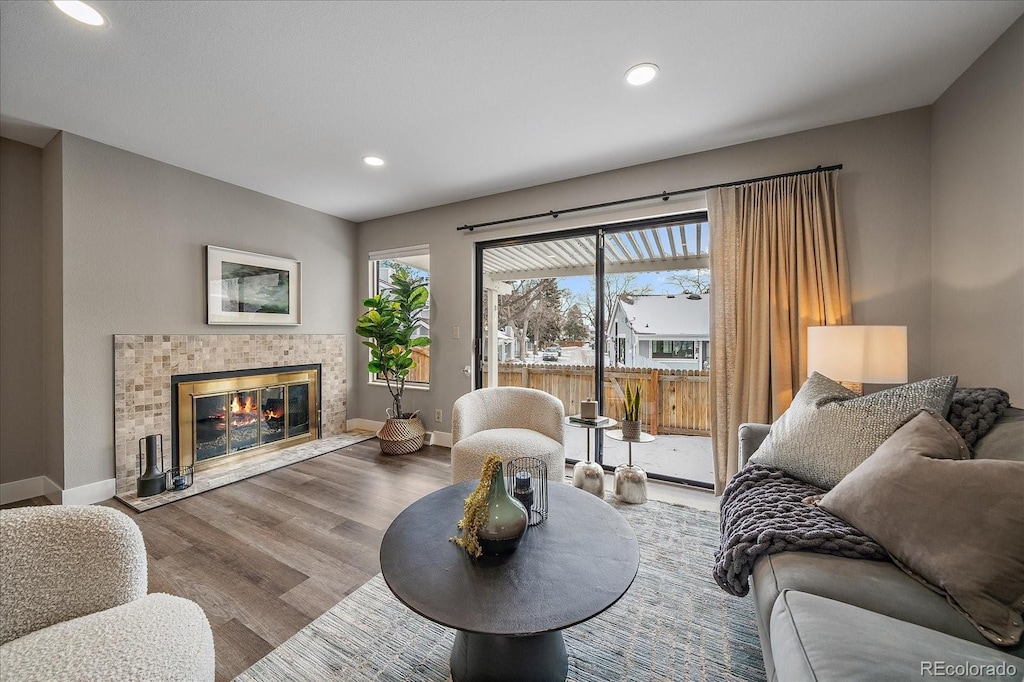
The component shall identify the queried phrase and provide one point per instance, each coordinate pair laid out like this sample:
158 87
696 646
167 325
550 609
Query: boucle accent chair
73 602
510 422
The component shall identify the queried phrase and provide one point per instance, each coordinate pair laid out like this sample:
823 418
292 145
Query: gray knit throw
974 410
763 513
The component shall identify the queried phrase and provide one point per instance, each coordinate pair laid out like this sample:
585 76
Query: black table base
500 658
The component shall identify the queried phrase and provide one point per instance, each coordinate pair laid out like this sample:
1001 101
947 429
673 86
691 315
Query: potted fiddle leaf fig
388 326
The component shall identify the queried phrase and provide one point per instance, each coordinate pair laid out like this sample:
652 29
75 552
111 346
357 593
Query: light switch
455 332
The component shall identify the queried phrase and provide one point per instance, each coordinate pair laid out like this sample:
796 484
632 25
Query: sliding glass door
581 313
656 294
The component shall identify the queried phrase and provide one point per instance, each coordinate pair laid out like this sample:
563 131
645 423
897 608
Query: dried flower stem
475 515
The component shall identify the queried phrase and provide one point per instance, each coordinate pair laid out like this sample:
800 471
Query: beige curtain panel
778 266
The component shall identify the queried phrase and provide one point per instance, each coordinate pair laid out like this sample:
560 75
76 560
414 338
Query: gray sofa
822 617
73 603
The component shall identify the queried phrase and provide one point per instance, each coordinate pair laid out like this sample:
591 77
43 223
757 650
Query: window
680 350
414 262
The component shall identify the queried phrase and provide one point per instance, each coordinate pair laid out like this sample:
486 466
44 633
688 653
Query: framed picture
252 289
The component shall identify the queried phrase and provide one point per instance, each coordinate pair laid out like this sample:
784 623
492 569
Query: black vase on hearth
152 480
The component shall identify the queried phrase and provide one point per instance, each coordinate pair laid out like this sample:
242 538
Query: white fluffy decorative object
510 422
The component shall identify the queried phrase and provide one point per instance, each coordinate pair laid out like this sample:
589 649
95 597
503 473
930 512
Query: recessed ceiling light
641 74
79 11
373 161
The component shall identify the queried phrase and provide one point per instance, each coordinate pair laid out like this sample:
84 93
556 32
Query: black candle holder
526 479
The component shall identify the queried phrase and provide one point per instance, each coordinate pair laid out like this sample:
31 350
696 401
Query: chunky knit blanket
763 512
974 410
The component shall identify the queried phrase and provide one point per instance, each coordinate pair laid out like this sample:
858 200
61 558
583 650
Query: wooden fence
421 372
675 401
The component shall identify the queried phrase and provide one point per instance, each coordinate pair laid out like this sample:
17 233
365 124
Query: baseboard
25 489
441 438
52 491
90 493
42 486
363 424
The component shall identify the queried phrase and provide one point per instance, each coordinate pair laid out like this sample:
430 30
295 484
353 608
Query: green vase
507 519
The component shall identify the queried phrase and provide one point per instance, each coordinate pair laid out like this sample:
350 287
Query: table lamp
854 355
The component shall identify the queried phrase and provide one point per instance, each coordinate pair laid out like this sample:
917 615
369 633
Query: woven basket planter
401 436
631 429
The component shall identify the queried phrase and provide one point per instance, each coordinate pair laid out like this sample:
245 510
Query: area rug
674 623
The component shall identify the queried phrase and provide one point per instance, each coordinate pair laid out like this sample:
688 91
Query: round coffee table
510 611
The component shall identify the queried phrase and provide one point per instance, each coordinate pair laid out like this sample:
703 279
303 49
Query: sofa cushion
953 522
874 585
157 637
1005 440
814 638
828 430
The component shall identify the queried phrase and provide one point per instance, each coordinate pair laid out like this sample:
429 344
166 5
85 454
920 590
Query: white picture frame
244 288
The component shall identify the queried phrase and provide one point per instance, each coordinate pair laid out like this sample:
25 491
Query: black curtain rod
664 196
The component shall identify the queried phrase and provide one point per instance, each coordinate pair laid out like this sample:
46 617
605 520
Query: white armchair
510 422
73 602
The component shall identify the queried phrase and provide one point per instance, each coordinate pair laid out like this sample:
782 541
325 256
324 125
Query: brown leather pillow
954 523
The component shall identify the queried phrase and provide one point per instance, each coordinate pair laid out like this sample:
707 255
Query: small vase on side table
588 475
630 480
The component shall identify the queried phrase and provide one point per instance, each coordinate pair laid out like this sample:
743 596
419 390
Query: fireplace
224 416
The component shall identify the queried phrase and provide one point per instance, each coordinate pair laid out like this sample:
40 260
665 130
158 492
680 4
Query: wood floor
266 556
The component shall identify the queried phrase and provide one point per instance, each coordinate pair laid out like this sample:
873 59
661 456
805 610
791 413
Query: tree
574 328
617 286
692 281
533 311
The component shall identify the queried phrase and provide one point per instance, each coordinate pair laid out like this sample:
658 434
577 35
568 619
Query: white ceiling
464 99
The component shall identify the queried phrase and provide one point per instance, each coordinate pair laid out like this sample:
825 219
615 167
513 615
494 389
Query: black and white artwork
250 288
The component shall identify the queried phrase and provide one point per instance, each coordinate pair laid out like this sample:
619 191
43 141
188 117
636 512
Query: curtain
778 266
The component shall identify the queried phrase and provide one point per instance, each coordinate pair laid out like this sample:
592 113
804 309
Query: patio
686 457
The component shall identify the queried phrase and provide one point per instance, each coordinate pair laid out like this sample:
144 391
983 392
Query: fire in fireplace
221 417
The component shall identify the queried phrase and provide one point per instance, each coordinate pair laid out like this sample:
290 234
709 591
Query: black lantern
526 479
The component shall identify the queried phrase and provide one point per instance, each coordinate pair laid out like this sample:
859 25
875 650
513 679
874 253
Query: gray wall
885 188
22 397
134 238
978 216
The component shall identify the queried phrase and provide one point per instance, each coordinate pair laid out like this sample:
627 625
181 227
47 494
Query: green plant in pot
387 327
631 421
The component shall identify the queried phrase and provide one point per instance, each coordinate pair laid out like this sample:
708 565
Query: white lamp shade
865 354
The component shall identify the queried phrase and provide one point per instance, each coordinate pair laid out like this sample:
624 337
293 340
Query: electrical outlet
438 416
455 332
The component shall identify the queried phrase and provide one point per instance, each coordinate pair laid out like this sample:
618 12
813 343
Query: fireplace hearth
224 416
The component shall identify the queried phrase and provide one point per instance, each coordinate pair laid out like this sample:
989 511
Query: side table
589 476
630 480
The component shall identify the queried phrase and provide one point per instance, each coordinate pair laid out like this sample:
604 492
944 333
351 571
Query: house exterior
664 331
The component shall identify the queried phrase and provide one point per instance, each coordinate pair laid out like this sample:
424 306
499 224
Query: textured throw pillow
828 429
955 524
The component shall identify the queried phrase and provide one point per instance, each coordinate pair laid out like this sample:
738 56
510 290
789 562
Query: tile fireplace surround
144 364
